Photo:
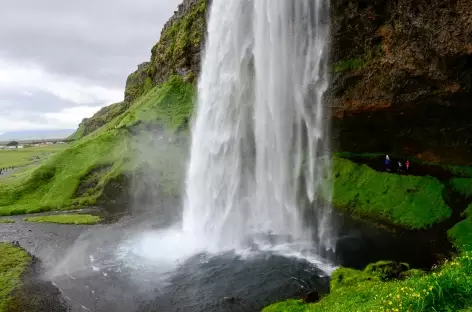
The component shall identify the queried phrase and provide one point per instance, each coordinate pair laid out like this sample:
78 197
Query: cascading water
260 141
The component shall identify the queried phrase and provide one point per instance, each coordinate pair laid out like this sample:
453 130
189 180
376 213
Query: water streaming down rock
260 139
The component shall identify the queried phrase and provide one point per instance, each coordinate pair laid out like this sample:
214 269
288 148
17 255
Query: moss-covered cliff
177 53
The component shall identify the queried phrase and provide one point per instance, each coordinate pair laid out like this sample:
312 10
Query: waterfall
260 139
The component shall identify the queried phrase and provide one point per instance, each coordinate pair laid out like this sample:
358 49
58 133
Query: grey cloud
34 103
95 40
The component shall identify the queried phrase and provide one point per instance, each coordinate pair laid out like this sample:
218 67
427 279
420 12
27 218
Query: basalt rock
403 78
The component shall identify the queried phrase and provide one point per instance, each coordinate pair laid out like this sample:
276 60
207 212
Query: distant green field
26 156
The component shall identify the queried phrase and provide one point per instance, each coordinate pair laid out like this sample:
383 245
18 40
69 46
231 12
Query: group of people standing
389 165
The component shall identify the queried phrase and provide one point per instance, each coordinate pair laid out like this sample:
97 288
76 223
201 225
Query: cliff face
177 53
401 74
182 40
402 77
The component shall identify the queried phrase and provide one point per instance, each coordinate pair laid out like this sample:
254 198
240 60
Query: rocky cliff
402 77
177 53
401 74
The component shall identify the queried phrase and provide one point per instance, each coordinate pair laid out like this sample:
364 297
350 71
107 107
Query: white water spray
260 141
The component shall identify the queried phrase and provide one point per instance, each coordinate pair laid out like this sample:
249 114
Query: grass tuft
7 221
66 219
13 262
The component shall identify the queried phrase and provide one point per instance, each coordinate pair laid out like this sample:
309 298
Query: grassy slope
461 233
99 119
53 185
13 262
412 201
66 219
26 156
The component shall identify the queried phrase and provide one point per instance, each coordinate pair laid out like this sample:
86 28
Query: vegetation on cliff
99 119
178 50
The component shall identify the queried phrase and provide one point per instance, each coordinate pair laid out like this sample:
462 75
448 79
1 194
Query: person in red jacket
407 165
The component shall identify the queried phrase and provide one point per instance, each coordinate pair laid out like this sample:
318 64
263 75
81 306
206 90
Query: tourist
407 165
400 167
387 163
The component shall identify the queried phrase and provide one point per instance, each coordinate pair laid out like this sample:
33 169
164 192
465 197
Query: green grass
26 156
66 219
170 104
448 288
99 119
13 262
414 202
54 184
7 221
461 233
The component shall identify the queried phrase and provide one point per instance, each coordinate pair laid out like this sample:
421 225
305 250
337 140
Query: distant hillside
36 134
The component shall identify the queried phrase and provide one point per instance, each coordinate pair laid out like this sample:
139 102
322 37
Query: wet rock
311 297
387 269
232 299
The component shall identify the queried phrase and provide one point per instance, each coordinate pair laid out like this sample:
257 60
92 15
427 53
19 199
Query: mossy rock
379 271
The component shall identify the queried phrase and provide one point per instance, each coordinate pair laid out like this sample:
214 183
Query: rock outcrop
178 52
182 41
138 83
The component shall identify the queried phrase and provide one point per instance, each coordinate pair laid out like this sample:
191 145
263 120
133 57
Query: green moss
462 186
379 271
411 201
343 277
349 65
99 119
449 288
7 221
66 219
13 263
171 106
184 34
461 233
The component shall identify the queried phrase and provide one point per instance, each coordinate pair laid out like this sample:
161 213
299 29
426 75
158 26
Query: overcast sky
60 61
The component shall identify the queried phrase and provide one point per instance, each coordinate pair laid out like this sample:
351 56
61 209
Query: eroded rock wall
402 78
